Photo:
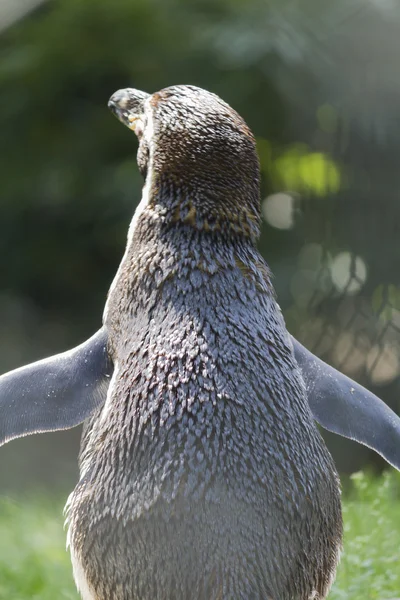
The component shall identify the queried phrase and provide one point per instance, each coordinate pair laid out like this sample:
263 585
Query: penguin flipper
342 406
56 393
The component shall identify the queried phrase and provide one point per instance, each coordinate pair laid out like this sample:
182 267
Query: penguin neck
170 239
180 227
171 205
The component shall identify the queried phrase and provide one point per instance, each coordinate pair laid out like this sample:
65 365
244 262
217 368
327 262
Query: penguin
203 474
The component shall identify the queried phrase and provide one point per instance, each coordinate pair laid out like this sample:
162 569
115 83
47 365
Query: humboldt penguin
203 475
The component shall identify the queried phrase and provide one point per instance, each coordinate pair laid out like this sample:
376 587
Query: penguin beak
128 107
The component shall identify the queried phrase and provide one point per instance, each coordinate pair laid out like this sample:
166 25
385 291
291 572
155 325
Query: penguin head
128 105
193 144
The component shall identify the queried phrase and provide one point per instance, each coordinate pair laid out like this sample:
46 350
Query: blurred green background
319 84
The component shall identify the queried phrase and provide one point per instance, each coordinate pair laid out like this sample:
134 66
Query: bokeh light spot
278 210
348 272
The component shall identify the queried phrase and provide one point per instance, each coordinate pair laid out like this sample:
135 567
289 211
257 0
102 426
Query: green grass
34 564
370 564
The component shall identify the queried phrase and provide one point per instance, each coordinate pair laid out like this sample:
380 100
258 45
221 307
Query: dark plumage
204 477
